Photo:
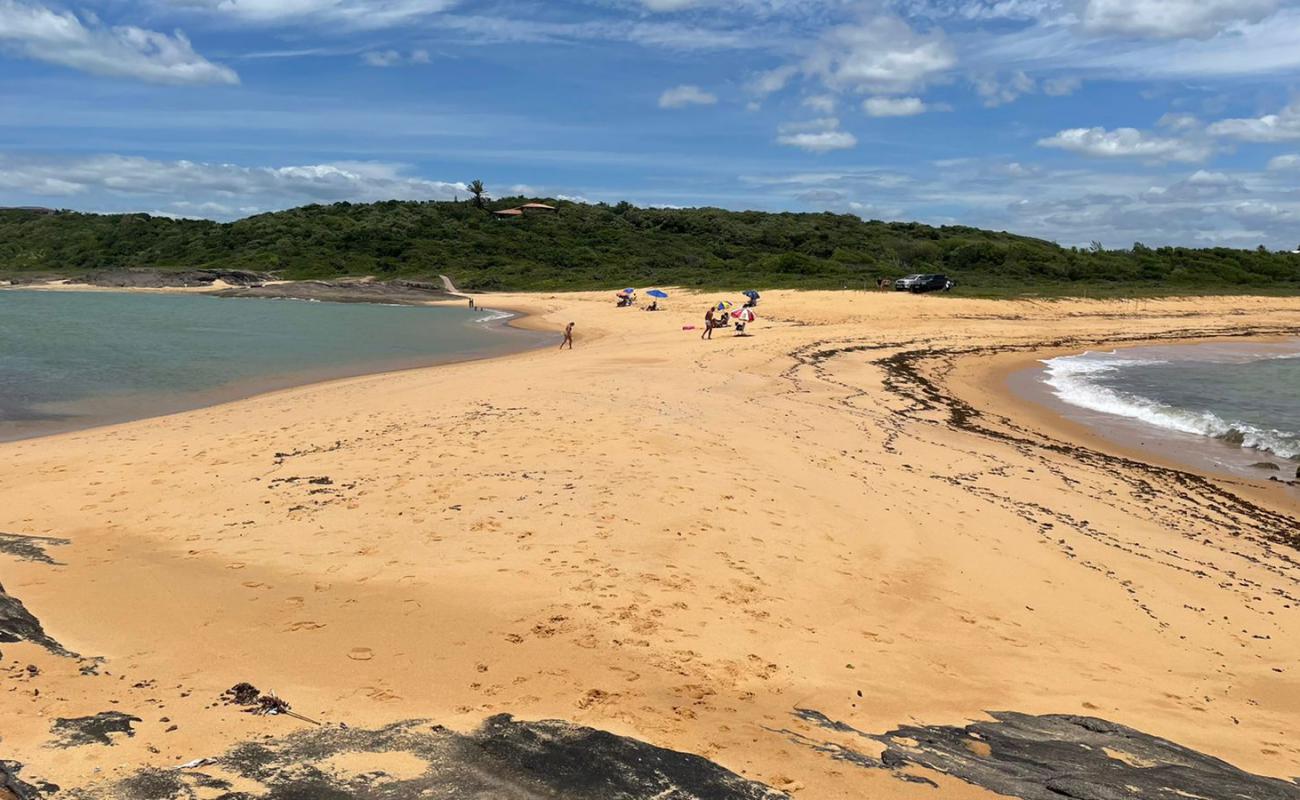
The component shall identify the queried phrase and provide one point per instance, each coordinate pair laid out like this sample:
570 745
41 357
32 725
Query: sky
1159 121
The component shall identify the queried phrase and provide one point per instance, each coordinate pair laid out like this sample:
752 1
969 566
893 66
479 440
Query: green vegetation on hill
600 246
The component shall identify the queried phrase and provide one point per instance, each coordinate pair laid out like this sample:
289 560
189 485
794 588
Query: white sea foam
494 316
1074 380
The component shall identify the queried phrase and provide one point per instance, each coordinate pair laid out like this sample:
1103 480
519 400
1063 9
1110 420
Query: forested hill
598 246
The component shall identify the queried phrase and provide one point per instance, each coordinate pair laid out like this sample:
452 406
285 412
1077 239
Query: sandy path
673 539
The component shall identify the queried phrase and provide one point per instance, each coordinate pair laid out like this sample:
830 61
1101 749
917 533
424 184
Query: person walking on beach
708 324
471 304
568 336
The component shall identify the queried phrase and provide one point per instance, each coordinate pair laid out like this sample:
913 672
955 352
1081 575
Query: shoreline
558 536
173 404
987 381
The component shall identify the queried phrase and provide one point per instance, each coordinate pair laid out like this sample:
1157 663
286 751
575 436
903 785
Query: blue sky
1161 121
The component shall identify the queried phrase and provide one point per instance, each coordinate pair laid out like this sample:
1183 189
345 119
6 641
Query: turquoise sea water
73 359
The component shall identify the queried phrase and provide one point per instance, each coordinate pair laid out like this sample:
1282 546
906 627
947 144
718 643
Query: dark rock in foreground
82 731
13 788
1056 757
17 624
506 759
29 548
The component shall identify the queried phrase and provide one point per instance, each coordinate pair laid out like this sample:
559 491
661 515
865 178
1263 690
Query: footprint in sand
361 654
307 625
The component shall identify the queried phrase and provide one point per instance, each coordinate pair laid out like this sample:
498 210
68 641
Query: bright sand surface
677 540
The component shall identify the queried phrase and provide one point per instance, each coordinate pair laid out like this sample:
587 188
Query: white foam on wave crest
1074 380
494 316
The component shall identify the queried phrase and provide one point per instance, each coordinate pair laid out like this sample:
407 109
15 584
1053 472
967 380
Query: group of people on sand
715 316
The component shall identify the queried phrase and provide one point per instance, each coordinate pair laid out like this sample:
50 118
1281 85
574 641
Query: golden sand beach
691 543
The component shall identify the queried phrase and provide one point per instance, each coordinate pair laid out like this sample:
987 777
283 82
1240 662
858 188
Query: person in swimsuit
568 336
708 324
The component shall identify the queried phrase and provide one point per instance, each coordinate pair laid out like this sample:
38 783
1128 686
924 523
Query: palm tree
476 189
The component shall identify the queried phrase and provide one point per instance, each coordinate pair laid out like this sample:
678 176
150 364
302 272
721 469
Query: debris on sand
255 702
241 694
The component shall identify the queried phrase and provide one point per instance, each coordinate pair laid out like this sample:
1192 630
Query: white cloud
1179 121
1172 19
1283 126
821 103
816 135
1062 87
393 58
124 51
1267 47
773 80
1289 161
1126 143
196 186
893 106
350 13
667 5
879 56
998 92
1200 186
686 95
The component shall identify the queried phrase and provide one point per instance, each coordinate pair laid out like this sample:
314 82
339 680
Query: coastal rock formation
29 548
14 788
347 291
506 759
17 624
161 278
1055 756
97 729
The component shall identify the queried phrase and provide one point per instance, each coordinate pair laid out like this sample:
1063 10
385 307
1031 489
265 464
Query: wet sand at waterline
686 542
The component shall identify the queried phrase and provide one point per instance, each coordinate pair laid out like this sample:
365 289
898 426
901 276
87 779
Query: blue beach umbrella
629 290
751 294
657 293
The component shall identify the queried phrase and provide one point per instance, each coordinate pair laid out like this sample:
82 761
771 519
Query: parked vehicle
924 283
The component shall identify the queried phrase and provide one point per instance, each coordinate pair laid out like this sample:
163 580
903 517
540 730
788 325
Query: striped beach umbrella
744 314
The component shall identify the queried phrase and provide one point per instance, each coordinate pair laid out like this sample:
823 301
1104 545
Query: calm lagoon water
75 359
1230 403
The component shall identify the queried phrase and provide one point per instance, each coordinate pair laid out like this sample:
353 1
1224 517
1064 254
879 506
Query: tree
476 189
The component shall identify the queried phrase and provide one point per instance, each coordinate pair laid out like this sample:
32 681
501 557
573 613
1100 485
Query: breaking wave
1077 380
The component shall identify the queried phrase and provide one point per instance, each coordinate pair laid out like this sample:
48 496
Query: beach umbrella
751 294
723 305
744 314
657 293
628 290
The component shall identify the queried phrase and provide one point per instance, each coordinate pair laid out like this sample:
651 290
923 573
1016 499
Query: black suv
924 283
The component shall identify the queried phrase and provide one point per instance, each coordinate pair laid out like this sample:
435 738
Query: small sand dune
762 551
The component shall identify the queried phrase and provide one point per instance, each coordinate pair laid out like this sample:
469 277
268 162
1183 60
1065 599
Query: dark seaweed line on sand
906 377
1186 497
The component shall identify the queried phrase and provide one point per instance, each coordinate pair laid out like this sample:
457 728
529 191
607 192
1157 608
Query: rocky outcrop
1052 757
162 278
17 624
402 292
506 759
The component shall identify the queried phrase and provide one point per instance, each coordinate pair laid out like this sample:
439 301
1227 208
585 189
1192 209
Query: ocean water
1239 403
75 359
